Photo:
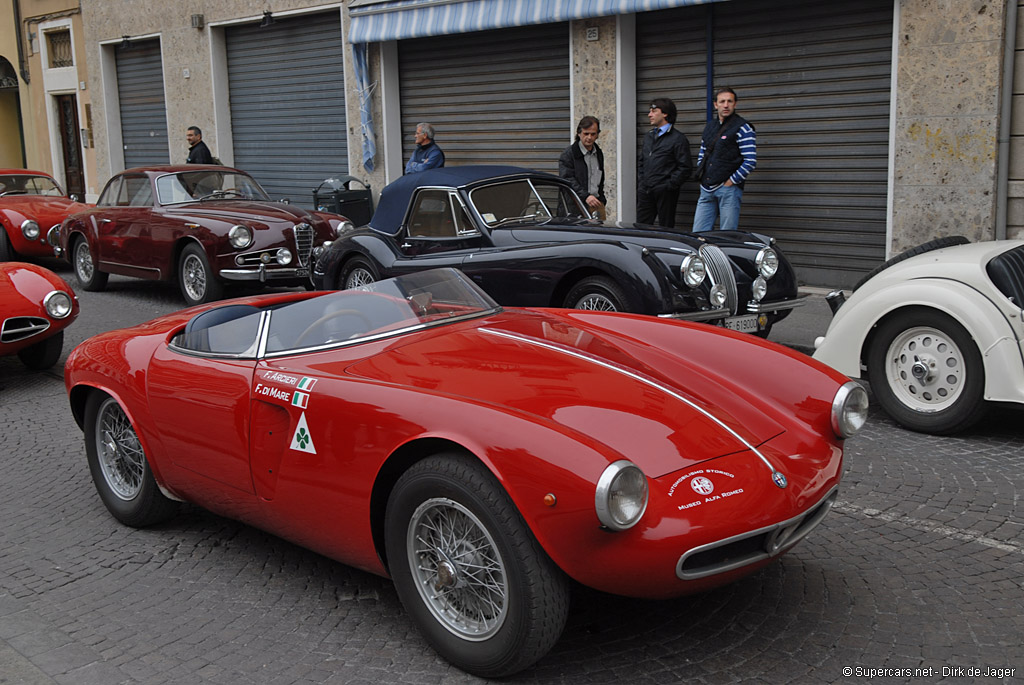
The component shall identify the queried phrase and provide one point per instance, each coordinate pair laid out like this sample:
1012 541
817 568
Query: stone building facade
943 153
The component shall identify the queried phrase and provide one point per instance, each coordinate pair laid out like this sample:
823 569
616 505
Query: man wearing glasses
663 166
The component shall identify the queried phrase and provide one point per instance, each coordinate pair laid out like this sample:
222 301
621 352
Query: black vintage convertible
528 240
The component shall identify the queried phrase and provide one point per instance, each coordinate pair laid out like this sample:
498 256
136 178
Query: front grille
720 272
748 548
303 242
21 327
1007 274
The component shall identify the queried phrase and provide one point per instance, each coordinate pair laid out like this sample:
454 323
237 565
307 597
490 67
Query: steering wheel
330 316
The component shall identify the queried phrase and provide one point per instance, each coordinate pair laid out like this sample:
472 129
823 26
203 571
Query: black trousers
660 206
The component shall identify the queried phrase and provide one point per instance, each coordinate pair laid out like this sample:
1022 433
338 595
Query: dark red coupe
201 226
31 203
480 457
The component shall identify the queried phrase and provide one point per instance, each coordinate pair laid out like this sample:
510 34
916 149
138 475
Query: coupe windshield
525 200
25 184
189 186
382 309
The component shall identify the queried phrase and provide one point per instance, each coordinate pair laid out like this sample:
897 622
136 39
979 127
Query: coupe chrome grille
720 272
303 242
21 327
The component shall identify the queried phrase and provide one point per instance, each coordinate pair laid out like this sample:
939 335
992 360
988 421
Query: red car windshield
27 184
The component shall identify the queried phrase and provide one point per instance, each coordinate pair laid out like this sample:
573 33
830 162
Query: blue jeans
722 203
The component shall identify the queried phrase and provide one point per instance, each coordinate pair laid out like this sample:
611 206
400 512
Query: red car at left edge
36 305
31 203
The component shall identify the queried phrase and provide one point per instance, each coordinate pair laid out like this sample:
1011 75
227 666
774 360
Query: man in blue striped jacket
728 153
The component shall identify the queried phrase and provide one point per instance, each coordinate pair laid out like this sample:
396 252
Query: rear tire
468 570
86 272
357 272
596 293
44 354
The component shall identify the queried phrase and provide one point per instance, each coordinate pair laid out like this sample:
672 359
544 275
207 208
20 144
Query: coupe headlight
240 236
344 227
718 295
621 496
284 256
849 409
767 262
759 288
58 304
53 236
30 229
693 270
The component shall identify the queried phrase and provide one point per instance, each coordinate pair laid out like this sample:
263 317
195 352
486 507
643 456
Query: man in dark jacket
663 166
728 153
582 164
198 153
428 154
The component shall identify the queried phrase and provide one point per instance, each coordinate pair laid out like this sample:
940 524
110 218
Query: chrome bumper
263 274
706 315
782 305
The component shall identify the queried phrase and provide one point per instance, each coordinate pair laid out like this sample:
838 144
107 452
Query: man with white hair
427 154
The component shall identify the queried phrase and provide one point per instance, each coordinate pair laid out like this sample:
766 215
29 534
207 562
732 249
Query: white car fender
997 329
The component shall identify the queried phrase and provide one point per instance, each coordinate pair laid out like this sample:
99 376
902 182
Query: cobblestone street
918 570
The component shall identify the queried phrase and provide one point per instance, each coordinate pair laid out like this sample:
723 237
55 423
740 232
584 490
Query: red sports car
480 457
202 226
31 202
36 305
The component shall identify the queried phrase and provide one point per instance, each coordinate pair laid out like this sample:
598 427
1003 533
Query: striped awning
379 20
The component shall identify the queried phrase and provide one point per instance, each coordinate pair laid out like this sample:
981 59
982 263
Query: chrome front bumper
263 274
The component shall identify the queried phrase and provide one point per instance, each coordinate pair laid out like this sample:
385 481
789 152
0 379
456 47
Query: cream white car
938 331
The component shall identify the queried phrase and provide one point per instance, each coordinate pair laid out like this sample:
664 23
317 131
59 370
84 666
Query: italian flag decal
300 399
302 441
306 383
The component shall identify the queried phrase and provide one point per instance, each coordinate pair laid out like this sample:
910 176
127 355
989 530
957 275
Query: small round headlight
344 227
767 262
58 304
30 229
693 270
621 495
53 236
718 295
240 236
849 409
284 256
759 288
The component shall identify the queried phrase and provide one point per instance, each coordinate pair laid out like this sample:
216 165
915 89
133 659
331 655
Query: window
58 49
437 214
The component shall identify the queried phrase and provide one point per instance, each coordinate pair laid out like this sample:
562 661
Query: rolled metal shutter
140 94
286 85
814 80
494 97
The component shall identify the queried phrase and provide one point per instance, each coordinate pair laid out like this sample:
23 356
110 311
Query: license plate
744 324
302 273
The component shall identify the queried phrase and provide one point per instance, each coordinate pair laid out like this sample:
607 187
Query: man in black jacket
582 164
728 153
663 166
198 153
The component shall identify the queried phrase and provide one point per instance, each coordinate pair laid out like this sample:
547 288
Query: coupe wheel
927 372
596 293
119 467
356 273
198 284
469 571
44 354
88 276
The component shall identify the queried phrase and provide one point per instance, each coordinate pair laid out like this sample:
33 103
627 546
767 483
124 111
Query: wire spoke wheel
358 277
596 302
121 458
83 262
458 570
193 277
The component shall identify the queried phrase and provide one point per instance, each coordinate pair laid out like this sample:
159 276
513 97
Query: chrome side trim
17 328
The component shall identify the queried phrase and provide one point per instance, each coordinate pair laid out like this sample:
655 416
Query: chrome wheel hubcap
83 262
925 369
121 458
358 277
457 568
193 276
597 303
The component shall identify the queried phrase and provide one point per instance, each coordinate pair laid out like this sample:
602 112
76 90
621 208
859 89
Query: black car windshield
525 200
388 308
27 184
189 186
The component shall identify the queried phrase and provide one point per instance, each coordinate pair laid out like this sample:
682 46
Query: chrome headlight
718 295
621 496
58 304
759 289
53 236
767 262
345 227
240 236
693 270
284 256
849 409
30 229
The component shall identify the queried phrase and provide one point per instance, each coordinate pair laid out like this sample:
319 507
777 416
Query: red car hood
664 410
44 210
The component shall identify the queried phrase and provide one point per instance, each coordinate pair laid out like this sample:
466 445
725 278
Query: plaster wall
949 72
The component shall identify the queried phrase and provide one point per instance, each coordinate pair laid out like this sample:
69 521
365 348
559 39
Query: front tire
7 253
596 293
356 273
468 570
927 372
195 277
119 466
44 354
88 276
